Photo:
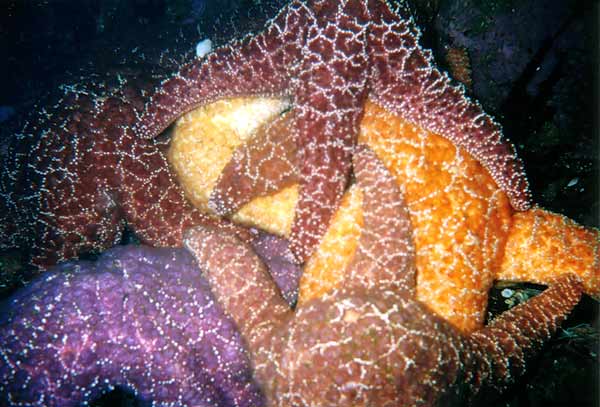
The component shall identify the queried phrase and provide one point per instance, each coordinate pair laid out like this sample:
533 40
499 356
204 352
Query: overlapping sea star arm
329 86
385 256
330 91
263 165
407 83
246 291
253 65
500 350
240 281
154 205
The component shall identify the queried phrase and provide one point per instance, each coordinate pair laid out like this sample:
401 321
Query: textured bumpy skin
329 56
140 318
202 144
275 252
466 234
77 174
541 242
370 343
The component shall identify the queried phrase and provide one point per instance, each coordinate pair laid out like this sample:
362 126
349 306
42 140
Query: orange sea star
466 233
369 342
329 57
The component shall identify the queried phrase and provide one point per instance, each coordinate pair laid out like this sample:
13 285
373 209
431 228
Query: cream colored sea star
369 342
466 233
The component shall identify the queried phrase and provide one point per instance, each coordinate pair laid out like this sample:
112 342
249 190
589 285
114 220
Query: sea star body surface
144 319
370 342
77 174
466 234
139 318
329 56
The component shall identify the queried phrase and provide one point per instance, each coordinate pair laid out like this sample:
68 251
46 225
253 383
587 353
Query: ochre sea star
144 319
329 56
139 318
369 342
326 56
76 175
466 233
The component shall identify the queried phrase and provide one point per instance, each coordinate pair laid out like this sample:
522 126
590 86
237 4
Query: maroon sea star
371 343
77 174
329 56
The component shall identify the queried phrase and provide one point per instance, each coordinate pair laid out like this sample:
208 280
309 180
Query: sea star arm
385 256
501 348
240 282
329 88
247 293
540 243
263 165
154 205
407 83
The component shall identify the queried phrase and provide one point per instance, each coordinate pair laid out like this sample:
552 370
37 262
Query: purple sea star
370 342
139 318
329 56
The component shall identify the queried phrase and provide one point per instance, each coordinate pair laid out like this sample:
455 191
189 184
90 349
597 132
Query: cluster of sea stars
328 56
77 174
466 234
145 319
369 342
